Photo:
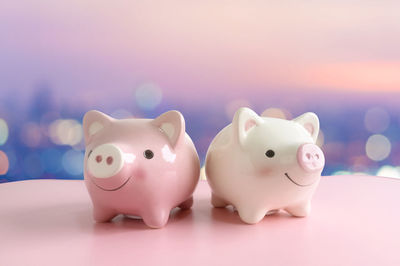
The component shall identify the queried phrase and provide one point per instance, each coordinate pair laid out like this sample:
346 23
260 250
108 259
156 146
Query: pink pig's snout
310 157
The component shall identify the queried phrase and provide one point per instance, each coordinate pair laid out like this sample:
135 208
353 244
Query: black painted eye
270 153
148 154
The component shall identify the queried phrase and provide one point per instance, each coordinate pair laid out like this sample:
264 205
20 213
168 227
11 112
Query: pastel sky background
337 58
199 49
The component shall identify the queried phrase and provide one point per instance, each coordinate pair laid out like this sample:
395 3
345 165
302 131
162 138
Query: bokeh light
4 163
46 119
378 147
72 162
222 58
359 163
31 134
12 159
376 120
3 131
342 173
66 132
389 171
148 96
359 173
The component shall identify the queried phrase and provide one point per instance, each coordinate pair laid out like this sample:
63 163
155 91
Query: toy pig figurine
260 164
142 167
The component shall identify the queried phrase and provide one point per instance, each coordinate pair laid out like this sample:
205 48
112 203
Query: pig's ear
243 122
310 122
93 123
172 124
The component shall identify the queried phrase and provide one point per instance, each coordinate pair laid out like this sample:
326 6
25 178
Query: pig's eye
148 154
270 153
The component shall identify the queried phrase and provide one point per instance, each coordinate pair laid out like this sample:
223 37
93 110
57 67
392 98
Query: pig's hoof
103 216
301 210
251 216
217 201
156 220
187 204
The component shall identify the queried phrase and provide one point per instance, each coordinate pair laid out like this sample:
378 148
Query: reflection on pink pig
142 167
262 164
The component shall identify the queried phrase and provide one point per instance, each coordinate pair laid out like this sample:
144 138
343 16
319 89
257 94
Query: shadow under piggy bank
230 215
122 223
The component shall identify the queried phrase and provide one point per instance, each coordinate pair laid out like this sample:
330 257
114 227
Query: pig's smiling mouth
113 189
300 185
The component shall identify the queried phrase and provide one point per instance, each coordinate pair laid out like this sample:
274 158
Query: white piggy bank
261 164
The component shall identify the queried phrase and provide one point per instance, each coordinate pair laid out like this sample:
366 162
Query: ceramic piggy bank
260 165
140 167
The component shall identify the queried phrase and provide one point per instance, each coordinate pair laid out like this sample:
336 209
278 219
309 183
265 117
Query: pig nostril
308 155
110 160
317 156
99 158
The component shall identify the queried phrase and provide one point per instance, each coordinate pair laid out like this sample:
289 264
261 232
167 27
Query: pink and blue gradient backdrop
59 59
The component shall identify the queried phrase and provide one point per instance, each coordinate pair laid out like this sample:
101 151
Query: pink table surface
355 221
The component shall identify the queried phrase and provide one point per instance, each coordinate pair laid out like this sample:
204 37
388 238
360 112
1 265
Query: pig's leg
187 204
299 210
251 215
156 218
217 201
102 215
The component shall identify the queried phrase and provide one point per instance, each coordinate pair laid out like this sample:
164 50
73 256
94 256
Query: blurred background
59 59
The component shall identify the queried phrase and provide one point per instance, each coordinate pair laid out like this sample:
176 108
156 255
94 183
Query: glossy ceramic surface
261 164
142 167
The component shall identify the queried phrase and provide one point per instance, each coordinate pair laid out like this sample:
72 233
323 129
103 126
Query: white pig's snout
310 157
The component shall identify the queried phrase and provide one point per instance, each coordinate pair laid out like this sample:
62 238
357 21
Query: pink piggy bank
141 167
260 165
